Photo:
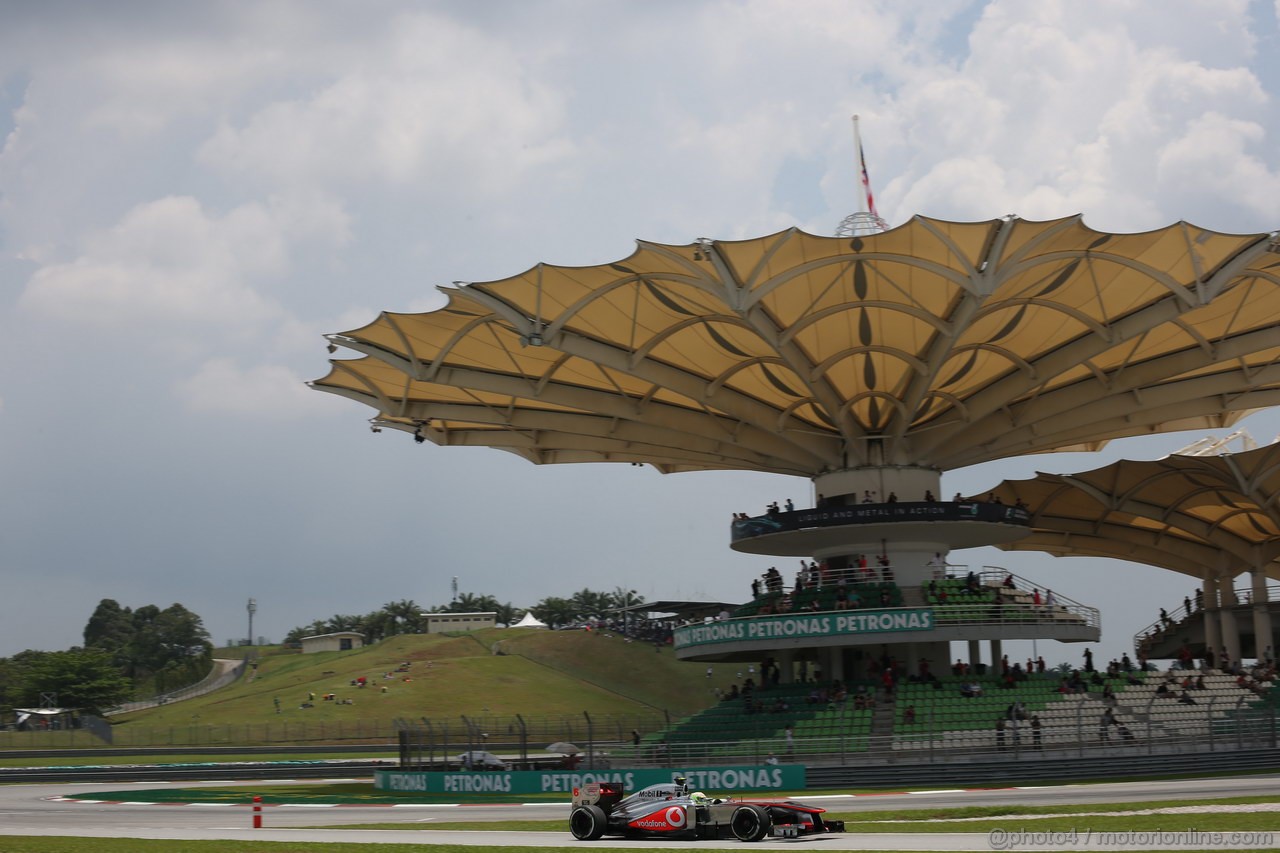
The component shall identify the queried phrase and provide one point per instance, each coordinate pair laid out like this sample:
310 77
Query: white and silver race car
670 810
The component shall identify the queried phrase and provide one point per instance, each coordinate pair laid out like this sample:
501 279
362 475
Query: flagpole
866 220
862 167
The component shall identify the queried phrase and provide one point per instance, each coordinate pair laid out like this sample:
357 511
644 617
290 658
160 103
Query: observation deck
931 620
805 532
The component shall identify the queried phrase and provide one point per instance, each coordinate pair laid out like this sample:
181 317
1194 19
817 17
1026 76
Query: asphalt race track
28 810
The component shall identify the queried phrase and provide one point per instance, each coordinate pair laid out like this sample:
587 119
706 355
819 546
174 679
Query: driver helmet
699 798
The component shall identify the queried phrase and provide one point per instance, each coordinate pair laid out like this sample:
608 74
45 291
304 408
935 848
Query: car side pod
587 823
750 823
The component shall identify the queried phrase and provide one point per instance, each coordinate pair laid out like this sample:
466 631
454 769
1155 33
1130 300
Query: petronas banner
785 627
779 777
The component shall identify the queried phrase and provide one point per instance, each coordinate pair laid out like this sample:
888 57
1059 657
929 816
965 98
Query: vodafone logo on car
667 820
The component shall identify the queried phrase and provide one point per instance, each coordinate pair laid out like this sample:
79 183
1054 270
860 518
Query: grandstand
872 365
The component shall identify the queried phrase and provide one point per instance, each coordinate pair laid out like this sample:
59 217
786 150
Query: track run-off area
45 810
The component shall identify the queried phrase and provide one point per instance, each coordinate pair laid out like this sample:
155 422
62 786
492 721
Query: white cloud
438 99
166 262
1212 157
262 392
1067 108
169 265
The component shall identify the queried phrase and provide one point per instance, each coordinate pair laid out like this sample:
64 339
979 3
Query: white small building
338 641
438 623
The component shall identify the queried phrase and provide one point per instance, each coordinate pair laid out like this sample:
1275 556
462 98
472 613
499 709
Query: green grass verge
41 844
220 758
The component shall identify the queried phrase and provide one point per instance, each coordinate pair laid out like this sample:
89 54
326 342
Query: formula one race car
671 811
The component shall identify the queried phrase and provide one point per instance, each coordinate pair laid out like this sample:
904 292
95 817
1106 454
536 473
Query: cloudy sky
192 194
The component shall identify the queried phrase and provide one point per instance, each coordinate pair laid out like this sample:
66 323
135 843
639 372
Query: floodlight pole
252 608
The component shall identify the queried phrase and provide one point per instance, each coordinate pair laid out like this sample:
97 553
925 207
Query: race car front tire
587 823
750 823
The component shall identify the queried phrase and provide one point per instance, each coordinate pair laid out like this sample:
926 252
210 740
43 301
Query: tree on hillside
556 612
84 679
471 603
13 675
591 604
174 638
110 628
344 622
407 615
317 627
621 598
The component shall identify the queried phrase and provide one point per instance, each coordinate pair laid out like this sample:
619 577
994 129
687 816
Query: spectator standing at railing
1199 599
1088 659
1049 600
1186 603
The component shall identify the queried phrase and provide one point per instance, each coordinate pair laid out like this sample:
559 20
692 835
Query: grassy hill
493 673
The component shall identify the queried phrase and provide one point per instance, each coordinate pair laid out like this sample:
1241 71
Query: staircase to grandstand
937 718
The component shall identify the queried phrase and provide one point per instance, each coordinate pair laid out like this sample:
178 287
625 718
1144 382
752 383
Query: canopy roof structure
936 344
1185 513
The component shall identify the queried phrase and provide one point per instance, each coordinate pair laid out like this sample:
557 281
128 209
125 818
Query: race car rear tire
587 823
750 823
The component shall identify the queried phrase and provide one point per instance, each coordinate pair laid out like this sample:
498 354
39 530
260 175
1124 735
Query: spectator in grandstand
970 689
1035 598
1105 723
928 496
1035 732
958 668
1000 724
773 579
909 715
1008 581
959 498
1049 600
1125 663
1186 604
1199 599
1186 699
1040 664
1199 685
789 505
1165 621
1088 659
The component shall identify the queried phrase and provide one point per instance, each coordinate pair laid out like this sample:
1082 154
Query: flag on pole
866 179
